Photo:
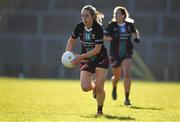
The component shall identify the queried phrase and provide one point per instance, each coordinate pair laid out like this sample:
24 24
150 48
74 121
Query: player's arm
72 39
134 34
70 44
108 33
107 38
92 52
88 54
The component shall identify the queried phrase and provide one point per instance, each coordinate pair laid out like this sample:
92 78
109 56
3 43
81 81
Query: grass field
63 100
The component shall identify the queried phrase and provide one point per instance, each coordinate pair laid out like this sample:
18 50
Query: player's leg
85 78
100 75
115 78
126 67
87 69
94 90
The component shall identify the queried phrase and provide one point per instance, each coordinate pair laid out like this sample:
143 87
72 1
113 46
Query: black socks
100 108
127 95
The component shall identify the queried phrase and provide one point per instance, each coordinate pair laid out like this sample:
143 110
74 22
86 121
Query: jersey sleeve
76 31
133 30
99 36
108 31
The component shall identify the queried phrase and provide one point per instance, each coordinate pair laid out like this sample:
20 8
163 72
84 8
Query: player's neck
89 26
120 22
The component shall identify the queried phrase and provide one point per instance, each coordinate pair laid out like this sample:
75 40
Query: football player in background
119 32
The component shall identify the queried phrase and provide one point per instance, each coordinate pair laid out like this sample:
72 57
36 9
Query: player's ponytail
98 16
124 12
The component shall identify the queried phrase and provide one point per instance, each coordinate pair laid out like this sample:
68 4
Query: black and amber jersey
90 37
121 44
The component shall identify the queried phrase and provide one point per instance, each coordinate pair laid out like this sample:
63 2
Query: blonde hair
98 16
124 12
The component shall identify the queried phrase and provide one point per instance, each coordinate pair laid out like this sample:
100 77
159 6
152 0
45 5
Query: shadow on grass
145 108
111 117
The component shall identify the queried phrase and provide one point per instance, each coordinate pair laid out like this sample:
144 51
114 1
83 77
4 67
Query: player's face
87 18
119 16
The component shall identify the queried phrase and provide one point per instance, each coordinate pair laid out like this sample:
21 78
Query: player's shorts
90 65
117 61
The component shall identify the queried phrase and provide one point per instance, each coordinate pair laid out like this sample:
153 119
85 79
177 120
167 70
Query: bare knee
127 76
85 88
99 90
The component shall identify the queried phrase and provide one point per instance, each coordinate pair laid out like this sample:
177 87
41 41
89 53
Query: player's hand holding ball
77 59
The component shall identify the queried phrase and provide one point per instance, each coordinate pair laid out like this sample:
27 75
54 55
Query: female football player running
119 33
93 57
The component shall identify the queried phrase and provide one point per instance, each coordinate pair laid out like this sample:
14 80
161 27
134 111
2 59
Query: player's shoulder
112 24
79 24
97 26
129 23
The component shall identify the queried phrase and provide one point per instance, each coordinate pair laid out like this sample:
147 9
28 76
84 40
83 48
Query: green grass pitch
62 100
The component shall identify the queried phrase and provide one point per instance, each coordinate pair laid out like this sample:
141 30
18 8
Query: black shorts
116 61
90 65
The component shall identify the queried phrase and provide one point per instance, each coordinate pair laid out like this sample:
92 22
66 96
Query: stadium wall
33 35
